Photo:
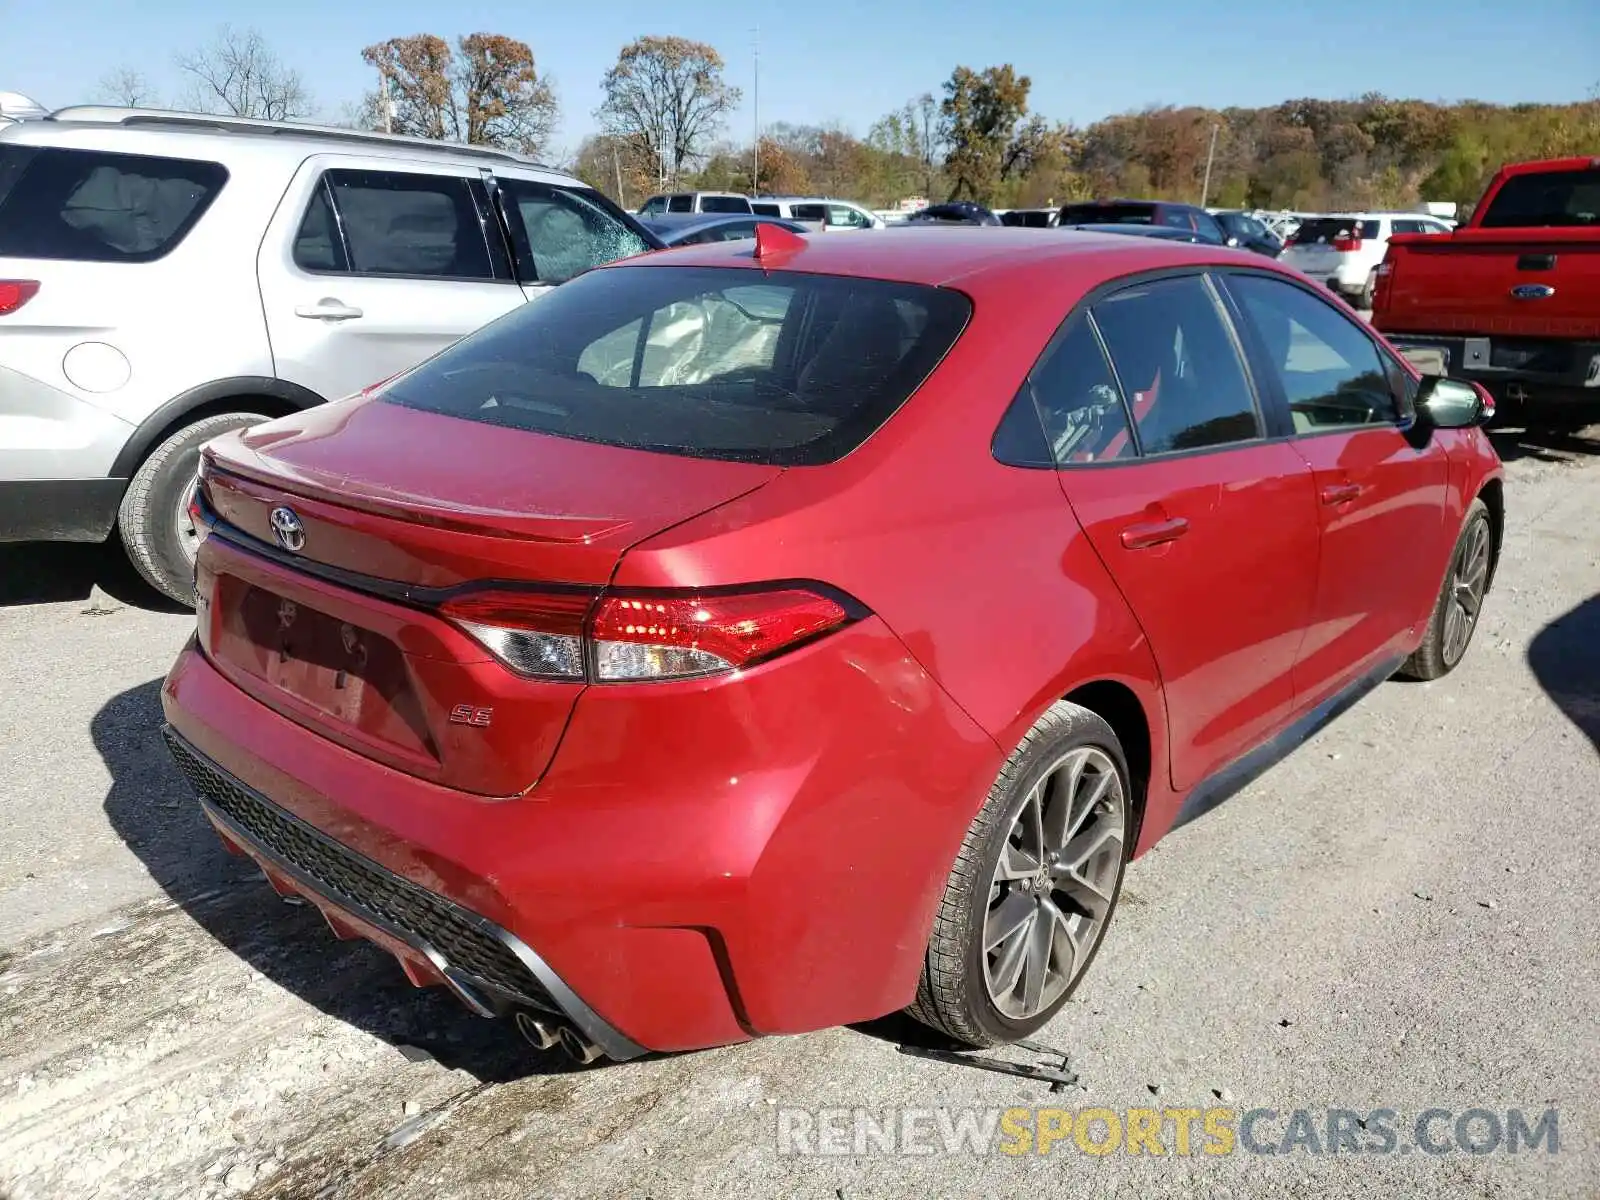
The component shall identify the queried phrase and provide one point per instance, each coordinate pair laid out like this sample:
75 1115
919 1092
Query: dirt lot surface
1402 915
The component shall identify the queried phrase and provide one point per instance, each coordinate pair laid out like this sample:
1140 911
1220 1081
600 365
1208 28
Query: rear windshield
89 206
724 204
1108 214
1550 198
780 368
1330 229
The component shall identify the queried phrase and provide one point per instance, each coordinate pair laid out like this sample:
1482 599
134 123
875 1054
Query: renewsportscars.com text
1165 1131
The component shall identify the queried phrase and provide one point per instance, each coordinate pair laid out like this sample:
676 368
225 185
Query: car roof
160 131
940 257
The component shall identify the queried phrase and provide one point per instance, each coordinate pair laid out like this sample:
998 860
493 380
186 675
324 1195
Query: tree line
665 104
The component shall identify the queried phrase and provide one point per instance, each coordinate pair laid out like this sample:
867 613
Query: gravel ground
1402 915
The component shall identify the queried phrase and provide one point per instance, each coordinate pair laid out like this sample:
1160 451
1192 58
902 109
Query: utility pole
755 107
1205 188
616 161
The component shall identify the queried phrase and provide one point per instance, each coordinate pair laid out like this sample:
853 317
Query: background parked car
690 229
696 202
1246 232
167 277
956 212
1029 218
1343 251
833 215
1146 212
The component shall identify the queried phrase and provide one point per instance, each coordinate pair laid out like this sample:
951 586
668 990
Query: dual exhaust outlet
544 1031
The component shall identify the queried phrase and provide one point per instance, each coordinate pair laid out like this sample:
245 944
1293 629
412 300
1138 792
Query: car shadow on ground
153 809
57 572
1565 657
1512 442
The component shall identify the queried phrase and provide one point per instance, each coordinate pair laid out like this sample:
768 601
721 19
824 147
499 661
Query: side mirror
1453 403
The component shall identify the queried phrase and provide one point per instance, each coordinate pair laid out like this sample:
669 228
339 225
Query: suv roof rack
173 120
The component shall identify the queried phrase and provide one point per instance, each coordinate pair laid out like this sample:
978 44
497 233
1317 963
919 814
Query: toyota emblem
288 529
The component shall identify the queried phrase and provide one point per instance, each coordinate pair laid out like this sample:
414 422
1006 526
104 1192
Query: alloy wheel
1053 887
1469 576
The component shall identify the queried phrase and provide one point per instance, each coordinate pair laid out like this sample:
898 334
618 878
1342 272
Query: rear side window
766 210
775 367
1178 366
89 206
395 223
680 204
1550 198
1078 401
724 204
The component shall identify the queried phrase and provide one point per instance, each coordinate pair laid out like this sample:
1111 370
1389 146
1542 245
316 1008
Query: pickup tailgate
1533 283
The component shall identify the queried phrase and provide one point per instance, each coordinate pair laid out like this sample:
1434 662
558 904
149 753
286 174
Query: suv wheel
1034 884
154 517
1455 613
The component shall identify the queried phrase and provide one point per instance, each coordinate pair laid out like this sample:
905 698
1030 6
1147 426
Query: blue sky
853 63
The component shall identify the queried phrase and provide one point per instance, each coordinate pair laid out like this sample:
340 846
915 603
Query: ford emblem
1533 291
287 528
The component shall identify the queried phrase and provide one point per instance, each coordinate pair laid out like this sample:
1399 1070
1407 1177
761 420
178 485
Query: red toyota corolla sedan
771 635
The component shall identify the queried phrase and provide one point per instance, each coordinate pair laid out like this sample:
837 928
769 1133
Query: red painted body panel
762 851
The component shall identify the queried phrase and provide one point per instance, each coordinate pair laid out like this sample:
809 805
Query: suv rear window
90 206
1549 198
1330 229
781 368
1109 214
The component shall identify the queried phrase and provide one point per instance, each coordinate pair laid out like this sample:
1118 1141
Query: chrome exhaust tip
538 1032
579 1048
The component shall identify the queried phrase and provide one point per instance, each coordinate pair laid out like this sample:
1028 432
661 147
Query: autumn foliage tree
980 114
666 99
487 91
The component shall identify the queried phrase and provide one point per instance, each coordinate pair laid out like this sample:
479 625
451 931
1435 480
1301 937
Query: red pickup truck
1511 299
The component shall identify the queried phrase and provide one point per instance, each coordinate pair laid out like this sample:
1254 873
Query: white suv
166 277
832 215
1343 251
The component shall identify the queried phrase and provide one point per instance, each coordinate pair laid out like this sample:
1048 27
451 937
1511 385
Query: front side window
843 216
680 204
1178 366
402 224
90 206
1332 374
775 367
765 210
560 233
724 204
654 206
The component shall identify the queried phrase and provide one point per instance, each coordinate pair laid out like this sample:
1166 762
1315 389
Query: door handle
1155 533
327 310
1341 493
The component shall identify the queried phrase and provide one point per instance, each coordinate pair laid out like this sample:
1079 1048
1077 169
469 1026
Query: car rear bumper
692 870
1550 365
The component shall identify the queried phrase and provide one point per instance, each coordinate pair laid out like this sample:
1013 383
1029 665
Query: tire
1443 646
957 992
1368 290
149 516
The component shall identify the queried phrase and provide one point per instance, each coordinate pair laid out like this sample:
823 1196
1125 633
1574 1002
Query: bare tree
486 92
240 75
127 87
666 98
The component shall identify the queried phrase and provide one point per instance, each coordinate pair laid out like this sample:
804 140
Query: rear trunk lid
392 509
1535 283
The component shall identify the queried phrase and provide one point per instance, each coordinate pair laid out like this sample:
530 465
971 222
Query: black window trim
179 235
325 184
1406 419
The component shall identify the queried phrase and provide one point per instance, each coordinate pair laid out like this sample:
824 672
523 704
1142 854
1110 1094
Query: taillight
14 293
1380 292
619 638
